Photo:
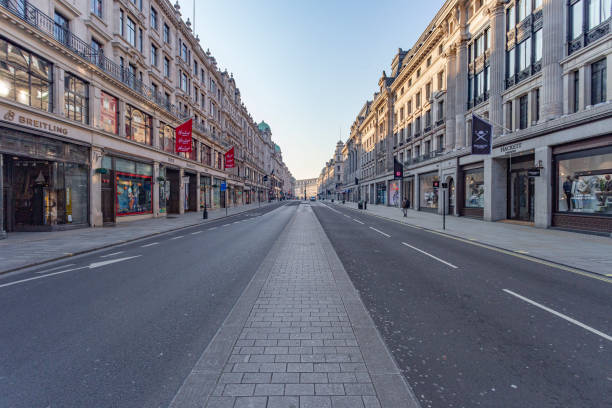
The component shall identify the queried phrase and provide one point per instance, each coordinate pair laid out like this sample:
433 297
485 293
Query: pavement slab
300 342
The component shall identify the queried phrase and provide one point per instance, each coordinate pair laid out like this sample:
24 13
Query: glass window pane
576 20
474 188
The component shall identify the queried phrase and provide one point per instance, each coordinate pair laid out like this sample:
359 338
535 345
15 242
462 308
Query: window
598 81
109 113
154 89
440 110
166 67
140 40
195 69
536 108
153 55
428 91
401 114
131 32
510 18
137 125
183 82
523 106
428 118
25 77
474 188
429 61
524 8
576 20
538 45
166 33
184 51
599 11
153 18
96 7
96 52
62 28
418 100
409 107
440 80
203 77
524 54
576 84
121 20
418 73
76 99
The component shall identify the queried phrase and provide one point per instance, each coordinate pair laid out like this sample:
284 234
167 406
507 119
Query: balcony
45 24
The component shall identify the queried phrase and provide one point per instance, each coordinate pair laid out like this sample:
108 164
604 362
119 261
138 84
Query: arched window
137 125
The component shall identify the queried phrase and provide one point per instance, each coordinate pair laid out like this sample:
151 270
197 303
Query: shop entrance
108 197
451 196
522 189
408 191
173 178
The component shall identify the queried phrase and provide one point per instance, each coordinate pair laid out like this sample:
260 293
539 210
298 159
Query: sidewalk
588 252
298 337
22 249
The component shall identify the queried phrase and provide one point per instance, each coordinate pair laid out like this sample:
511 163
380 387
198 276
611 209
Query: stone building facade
330 180
537 70
305 188
90 94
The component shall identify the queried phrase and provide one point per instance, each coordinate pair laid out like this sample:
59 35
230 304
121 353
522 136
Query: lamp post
205 212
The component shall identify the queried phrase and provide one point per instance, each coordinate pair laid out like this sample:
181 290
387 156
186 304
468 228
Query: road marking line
561 315
40 277
114 253
212 228
430 255
148 245
110 261
236 222
380 232
358 221
197 232
180 236
226 225
521 251
347 216
57 267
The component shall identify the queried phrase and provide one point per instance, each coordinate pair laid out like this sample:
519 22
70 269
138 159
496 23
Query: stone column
584 85
197 190
58 90
497 65
568 103
543 188
461 88
495 180
155 133
156 189
515 119
95 106
553 42
417 197
121 118
181 192
95 195
609 77
2 230
451 79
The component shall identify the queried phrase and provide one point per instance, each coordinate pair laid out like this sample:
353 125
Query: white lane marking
226 225
347 216
356 220
40 277
430 255
114 253
110 261
561 315
212 228
180 236
57 267
148 245
380 232
197 232
236 222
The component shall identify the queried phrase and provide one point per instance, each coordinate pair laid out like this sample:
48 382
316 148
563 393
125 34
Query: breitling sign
33 122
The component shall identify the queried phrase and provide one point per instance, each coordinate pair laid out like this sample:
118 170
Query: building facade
90 95
330 180
305 188
537 71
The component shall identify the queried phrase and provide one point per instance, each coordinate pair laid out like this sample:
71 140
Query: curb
86 251
575 269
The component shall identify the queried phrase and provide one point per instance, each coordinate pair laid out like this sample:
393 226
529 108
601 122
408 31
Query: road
124 326
471 326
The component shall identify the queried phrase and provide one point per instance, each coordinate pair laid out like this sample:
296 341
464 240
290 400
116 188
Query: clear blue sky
306 67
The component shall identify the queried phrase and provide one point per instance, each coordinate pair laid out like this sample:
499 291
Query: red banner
229 159
183 137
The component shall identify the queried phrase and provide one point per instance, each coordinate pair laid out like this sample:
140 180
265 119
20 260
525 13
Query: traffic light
436 184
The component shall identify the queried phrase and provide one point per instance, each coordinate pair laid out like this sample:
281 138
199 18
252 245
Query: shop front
381 192
45 182
428 188
190 191
395 199
205 191
218 197
583 187
127 188
164 190
521 188
472 199
408 190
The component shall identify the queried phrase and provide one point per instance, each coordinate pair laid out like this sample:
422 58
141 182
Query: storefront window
164 190
25 77
76 99
429 193
394 194
474 188
137 125
109 113
584 182
205 191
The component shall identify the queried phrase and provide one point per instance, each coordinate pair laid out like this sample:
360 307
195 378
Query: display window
474 188
584 182
134 194
109 113
137 125
429 193
394 194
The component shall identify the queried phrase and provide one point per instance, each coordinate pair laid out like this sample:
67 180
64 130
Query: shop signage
398 169
29 121
223 186
481 135
511 148
534 172
183 137
229 159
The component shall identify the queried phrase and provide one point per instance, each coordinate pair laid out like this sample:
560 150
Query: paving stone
256 378
230 378
283 402
299 389
285 378
313 378
359 389
315 402
329 389
371 402
347 402
238 390
269 389
251 402
299 367
221 402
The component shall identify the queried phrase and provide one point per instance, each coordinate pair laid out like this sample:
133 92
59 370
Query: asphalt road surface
124 326
470 326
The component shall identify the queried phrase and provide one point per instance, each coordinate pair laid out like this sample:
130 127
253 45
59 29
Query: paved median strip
430 255
561 315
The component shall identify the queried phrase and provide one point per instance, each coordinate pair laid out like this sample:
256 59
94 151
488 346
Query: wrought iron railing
45 24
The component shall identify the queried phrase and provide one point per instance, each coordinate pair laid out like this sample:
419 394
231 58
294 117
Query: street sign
223 186
534 172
